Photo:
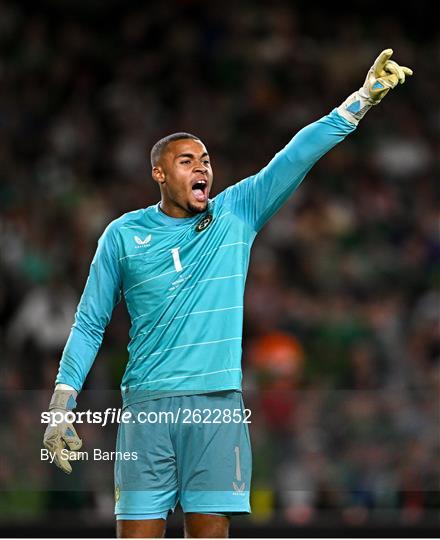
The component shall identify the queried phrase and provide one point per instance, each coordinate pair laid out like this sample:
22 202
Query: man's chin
199 208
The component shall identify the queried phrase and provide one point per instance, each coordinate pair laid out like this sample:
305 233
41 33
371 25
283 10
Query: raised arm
256 198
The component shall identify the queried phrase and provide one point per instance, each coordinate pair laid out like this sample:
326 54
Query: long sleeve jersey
183 280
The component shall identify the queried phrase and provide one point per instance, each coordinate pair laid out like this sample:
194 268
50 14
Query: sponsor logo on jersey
142 243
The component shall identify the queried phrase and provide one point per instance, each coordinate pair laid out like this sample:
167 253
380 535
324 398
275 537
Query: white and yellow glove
62 435
384 75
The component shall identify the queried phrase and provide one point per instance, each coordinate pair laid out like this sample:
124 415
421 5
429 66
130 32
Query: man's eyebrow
190 155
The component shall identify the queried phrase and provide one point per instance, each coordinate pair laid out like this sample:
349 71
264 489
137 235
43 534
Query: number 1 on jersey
176 258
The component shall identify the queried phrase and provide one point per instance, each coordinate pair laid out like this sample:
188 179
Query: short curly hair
161 145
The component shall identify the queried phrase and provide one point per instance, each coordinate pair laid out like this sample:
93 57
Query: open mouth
200 190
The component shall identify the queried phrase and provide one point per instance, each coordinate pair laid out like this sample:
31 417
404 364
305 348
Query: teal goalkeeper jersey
183 280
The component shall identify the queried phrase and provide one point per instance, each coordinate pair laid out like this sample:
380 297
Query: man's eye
186 161
206 162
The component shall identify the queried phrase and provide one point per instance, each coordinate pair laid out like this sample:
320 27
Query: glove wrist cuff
356 106
63 399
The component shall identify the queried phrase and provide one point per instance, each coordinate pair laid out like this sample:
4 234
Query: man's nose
199 167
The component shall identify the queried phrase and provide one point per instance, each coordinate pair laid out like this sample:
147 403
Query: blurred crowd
341 342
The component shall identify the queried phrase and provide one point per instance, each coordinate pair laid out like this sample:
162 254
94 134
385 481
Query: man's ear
158 174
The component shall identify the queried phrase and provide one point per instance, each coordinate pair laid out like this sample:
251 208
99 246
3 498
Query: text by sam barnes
97 455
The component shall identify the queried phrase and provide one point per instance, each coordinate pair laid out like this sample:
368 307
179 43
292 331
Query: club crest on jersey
144 242
204 223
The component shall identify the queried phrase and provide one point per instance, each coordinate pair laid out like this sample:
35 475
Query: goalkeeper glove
62 433
384 75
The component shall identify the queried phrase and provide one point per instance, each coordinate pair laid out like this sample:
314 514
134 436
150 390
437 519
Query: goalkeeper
181 266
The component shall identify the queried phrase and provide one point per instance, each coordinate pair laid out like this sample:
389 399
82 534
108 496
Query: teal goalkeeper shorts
189 449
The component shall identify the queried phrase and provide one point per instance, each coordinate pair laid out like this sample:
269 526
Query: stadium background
341 347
